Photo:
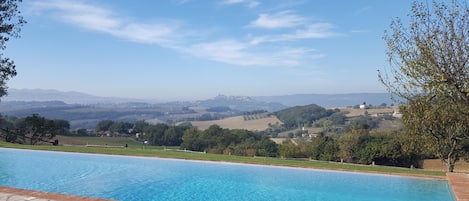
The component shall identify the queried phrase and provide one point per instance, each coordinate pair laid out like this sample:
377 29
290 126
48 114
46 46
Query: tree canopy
11 22
429 67
437 121
299 116
32 129
431 55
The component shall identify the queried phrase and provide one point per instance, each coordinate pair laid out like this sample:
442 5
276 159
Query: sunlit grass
160 152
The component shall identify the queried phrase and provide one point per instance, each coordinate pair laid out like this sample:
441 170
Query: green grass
111 141
139 151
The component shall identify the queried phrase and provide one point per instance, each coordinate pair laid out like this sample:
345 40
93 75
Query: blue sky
197 49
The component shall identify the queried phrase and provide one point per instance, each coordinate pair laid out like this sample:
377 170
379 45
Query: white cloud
233 1
360 31
284 19
173 35
248 3
253 4
227 51
318 30
181 1
103 20
311 31
362 10
245 54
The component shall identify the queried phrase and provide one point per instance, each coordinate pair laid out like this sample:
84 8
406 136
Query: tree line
32 130
361 146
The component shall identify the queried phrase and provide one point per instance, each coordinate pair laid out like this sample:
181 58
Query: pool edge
9 193
459 183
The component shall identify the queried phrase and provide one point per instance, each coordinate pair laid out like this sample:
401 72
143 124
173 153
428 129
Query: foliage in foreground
11 22
31 130
429 68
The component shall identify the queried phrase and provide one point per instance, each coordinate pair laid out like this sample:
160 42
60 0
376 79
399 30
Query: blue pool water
137 178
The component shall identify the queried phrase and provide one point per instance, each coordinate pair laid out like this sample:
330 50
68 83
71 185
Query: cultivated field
352 112
238 122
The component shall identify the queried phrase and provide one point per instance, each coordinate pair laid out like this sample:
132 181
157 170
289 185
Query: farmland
239 122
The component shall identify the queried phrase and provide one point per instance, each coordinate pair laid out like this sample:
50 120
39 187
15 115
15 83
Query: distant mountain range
85 111
330 100
270 102
70 97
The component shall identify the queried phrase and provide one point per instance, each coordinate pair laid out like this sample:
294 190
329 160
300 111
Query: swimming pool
138 178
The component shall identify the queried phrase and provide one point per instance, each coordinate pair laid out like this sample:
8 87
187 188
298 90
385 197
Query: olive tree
11 22
431 54
35 129
437 121
429 67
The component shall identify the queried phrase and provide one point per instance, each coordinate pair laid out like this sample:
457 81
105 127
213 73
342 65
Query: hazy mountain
69 97
85 111
242 103
329 100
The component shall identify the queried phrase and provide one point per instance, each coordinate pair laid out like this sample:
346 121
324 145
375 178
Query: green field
178 154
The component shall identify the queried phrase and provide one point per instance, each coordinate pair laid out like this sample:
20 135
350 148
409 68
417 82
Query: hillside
239 122
85 111
88 115
329 100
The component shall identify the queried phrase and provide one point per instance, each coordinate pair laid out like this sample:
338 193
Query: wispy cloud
181 1
227 51
312 31
359 31
294 27
233 1
103 20
283 19
253 4
248 3
245 54
174 35
362 10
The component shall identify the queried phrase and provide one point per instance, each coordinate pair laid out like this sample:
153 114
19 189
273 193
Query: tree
438 122
173 135
120 128
431 55
324 148
429 62
104 125
156 133
10 25
191 140
267 147
34 129
289 150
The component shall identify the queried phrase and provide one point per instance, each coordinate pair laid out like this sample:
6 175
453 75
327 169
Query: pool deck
14 194
459 183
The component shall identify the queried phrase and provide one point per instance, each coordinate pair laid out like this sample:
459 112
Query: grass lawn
148 152
111 141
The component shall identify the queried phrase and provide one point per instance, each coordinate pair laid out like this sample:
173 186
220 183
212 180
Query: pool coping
16 194
459 183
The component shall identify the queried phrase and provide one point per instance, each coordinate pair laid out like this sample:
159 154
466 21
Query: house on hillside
397 114
363 106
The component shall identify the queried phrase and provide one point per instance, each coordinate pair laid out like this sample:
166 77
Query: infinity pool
138 178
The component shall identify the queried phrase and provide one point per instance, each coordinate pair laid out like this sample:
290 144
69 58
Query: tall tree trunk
450 164
451 160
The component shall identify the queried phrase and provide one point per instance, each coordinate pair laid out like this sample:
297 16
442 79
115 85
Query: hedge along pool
139 178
